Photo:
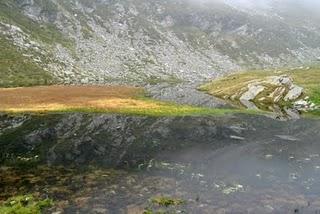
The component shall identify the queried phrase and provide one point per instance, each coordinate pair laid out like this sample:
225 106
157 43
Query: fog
312 5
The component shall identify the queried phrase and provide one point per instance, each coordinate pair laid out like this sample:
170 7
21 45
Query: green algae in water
26 204
167 201
163 205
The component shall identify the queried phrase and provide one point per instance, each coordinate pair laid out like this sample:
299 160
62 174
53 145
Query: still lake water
230 164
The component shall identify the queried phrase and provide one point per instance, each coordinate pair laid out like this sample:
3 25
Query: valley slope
147 41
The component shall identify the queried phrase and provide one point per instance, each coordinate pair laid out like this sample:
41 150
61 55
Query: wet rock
287 137
304 105
249 104
237 137
232 189
292 113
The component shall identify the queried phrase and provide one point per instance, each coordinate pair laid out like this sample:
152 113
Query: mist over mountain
143 41
159 106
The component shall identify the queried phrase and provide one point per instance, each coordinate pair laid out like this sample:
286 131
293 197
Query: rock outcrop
270 90
278 94
294 93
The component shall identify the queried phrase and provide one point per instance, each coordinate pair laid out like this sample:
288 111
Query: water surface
230 164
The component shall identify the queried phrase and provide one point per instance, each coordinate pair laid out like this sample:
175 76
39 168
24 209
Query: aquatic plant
25 204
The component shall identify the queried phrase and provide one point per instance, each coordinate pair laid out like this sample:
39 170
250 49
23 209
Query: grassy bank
308 78
95 99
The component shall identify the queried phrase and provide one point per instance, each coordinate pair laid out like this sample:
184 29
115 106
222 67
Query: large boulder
253 91
294 93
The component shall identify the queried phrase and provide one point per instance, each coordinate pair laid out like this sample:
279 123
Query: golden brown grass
55 98
109 99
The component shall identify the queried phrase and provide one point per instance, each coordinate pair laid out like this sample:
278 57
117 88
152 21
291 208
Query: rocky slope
149 41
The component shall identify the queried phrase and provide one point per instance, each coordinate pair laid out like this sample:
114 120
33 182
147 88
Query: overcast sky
268 4
308 4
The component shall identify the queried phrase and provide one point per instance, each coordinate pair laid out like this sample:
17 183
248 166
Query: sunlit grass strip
146 108
99 99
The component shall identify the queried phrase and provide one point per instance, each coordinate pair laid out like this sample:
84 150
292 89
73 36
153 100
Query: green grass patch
309 80
166 201
231 84
26 204
18 70
163 205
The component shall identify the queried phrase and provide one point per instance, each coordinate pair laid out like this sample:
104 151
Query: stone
292 113
294 93
253 91
283 80
249 105
237 137
304 105
287 137
301 103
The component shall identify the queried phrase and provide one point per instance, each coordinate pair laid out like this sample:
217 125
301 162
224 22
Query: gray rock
287 137
253 91
237 137
249 105
283 80
294 93
292 113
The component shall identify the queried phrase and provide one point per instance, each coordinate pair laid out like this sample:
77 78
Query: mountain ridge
139 42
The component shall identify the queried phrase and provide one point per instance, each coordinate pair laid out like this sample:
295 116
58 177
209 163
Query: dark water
231 164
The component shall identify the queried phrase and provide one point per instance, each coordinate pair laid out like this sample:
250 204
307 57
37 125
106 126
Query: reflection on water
251 165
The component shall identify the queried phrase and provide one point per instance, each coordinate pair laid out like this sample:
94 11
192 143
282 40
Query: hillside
148 41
